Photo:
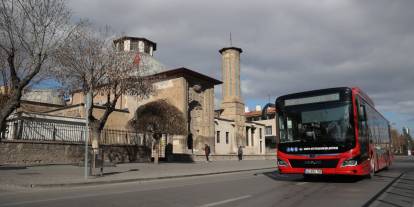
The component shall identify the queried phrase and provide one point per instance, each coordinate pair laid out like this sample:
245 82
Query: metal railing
114 137
53 131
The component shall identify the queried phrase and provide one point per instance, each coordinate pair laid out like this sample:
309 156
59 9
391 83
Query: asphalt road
237 189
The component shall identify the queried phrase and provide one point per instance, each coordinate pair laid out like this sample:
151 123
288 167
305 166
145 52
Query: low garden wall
22 152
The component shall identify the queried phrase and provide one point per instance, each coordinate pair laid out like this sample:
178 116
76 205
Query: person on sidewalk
207 152
240 153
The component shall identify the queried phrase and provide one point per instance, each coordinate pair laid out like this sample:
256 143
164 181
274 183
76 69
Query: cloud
289 46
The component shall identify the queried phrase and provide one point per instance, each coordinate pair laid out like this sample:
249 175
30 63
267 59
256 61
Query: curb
135 179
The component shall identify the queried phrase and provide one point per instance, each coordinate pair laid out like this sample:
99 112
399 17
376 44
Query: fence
111 137
72 132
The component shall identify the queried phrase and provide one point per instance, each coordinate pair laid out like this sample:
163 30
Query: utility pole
87 101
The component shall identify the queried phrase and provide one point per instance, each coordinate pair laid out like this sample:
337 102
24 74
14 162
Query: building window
134 45
247 136
121 46
218 136
252 136
268 130
147 48
227 137
260 133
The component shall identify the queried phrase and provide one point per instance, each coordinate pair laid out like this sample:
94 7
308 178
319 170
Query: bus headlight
350 163
281 162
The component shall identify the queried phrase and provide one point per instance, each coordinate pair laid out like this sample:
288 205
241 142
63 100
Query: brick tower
232 104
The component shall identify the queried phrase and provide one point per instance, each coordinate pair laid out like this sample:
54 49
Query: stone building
193 94
50 96
189 91
269 121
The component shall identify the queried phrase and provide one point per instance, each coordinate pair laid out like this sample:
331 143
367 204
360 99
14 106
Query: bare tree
396 141
3 79
30 31
91 63
3 71
157 118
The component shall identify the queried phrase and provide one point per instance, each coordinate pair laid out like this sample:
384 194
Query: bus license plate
313 171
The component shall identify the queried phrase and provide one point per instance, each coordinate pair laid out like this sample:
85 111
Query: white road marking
225 201
301 183
70 197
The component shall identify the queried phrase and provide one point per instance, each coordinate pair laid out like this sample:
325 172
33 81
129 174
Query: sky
288 45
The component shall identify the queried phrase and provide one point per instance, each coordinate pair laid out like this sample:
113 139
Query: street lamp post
87 103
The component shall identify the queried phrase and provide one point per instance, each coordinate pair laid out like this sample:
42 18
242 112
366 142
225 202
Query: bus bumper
362 169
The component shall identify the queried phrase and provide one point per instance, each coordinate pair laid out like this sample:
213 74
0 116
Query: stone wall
126 153
234 157
40 153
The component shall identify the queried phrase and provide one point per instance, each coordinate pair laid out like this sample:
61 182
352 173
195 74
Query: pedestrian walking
207 151
240 153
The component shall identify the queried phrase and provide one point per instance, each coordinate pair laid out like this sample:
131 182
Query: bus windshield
316 123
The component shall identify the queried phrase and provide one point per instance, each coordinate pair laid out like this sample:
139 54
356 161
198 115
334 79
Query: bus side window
281 125
289 124
362 119
363 128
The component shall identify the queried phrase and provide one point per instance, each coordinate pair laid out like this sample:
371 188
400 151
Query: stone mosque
223 129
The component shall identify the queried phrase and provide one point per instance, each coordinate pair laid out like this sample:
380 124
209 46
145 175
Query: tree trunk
156 149
95 134
95 147
94 125
94 129
9 106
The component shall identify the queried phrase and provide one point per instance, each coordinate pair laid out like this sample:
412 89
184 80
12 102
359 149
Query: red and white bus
331 131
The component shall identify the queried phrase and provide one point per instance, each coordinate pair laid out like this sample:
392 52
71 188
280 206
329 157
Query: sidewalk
69 175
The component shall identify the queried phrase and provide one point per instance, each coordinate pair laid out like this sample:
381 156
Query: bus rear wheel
372 168
388 165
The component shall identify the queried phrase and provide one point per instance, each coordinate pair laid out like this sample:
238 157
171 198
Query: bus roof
355 90
314 92
364 96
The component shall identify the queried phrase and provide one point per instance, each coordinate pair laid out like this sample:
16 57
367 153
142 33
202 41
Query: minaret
230 57
232 104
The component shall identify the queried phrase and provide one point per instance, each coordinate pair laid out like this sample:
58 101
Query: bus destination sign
301 149
313 99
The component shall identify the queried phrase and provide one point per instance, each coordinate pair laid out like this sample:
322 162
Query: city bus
331 131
